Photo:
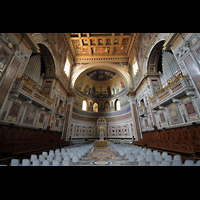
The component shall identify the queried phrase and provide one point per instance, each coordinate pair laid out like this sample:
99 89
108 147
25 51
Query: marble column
8 80
136 124
68 116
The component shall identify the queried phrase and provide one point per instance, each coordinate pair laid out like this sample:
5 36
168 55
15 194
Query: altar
99 143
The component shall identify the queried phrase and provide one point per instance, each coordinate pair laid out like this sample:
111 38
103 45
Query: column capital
70 100
132 100
27 102
176 100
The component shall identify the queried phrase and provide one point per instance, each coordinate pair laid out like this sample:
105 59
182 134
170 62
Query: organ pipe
169 66
33 69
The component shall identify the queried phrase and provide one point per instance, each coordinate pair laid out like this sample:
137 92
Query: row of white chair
143 156
60 157
36 162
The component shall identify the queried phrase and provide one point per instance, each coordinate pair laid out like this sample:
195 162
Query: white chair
26 162
177 157
149 158
51 154
188 163
68 153
144 150
45 154
127 155
122 153
198 163
159 158
127 151
50 158
33 157
63 150
71 155
66 163
55 163
57 153
57 150
154 163
51 151
132 159
46 163
165 163
136 155
36 162
140 158
15 162
75 159
68 150
168 158
164 154
67 158
79 155
177 163
155 152
58 158
142 163
143 154
41 158
149 153
64 154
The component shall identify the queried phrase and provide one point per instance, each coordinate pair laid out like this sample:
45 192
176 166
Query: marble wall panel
30 114
194 71
9 76
174 114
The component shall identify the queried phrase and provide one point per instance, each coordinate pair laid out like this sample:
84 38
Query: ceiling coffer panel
100 44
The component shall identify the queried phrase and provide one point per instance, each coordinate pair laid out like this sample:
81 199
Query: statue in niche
116 88
80 85
122 84
109 90
93 90
86 90
113 90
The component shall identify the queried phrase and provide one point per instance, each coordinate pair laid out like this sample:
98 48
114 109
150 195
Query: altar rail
181 139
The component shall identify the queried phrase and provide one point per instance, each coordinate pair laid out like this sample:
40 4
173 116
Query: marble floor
103 156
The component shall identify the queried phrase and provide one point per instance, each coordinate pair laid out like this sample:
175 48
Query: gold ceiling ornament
170 83
89 45
30 83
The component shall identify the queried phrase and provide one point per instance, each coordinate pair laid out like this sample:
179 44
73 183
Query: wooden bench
26 148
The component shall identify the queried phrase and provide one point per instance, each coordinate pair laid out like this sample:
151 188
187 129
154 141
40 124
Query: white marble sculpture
101 135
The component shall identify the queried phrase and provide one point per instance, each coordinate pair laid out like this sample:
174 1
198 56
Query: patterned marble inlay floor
103 156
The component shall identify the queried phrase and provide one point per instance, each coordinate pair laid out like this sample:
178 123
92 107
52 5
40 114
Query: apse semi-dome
100 83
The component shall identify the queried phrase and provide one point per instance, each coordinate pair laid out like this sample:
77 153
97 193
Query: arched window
84 105
95 107
67 67
118 106
135 68
107 107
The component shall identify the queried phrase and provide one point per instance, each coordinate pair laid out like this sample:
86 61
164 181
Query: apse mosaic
101 75
100 84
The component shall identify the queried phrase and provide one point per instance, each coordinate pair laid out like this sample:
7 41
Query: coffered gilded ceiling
101 46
